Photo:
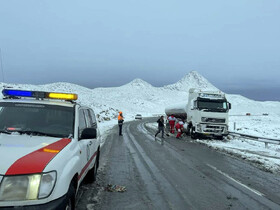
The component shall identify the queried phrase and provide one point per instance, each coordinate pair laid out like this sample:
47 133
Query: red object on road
179 127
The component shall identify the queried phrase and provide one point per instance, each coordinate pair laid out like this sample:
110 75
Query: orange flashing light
63 96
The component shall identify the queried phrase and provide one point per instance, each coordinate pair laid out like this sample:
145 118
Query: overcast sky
235 44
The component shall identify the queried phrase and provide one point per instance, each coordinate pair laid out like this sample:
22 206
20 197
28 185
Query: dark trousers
120 129
160 129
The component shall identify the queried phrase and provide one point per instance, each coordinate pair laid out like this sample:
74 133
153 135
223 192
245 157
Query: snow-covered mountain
137 83
141 97
191 80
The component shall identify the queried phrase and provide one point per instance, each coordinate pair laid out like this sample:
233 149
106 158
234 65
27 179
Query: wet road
179 174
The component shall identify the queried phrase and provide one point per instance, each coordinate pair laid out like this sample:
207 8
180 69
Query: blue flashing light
22 93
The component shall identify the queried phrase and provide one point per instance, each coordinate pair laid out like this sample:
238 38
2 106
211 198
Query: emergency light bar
39 94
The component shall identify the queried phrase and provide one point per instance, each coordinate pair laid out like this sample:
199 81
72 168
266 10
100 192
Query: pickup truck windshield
36 119
212 105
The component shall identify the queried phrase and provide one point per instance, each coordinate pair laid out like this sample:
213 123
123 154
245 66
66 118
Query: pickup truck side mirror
88 133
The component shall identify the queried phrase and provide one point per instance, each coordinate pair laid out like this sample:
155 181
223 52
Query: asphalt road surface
174 174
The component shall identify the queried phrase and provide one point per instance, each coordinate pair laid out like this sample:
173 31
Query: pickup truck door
94 143
85 145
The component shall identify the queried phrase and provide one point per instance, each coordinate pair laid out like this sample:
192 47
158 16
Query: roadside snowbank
256 125
253 151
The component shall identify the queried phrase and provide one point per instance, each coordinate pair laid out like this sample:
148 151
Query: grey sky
234 44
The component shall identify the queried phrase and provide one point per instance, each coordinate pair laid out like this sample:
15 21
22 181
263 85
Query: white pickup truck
49 143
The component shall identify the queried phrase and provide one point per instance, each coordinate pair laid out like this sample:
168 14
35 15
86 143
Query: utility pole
1 65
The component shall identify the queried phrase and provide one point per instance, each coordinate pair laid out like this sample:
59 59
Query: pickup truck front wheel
92 173
70 205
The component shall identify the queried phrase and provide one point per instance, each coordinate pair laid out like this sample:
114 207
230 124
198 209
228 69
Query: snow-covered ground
256 125
266 158
139 97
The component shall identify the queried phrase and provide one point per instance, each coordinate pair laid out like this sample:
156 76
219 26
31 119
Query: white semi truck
206 113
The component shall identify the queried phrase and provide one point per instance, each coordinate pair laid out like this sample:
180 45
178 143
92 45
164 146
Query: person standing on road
179 127
172 120
160 122
120 122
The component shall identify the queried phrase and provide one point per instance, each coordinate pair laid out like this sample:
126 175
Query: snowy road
180 174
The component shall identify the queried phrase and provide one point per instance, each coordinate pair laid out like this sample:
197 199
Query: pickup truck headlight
27 187
47 184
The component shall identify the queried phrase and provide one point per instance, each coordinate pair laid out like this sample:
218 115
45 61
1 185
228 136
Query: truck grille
213 120
214 129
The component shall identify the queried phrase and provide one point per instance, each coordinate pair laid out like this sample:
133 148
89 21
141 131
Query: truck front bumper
212 129
57 204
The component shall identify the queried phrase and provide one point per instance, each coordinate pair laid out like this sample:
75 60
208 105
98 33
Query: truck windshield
36 119
212 105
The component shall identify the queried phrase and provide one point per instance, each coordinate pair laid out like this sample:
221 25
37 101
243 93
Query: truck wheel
91 175
192 131
188 130
70 198
220 137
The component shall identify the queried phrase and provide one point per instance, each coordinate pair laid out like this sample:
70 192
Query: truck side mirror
88 133
229 105
194 105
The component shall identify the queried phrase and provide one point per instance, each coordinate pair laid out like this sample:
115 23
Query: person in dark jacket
160 122
120 123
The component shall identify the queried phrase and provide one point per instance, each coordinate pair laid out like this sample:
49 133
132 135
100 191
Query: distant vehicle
49 145
138 117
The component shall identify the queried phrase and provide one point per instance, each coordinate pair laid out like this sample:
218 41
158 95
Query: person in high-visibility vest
120 123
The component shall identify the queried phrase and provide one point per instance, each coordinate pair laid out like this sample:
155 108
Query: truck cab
207 113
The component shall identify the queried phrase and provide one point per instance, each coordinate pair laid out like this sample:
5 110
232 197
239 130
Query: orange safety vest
120 117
